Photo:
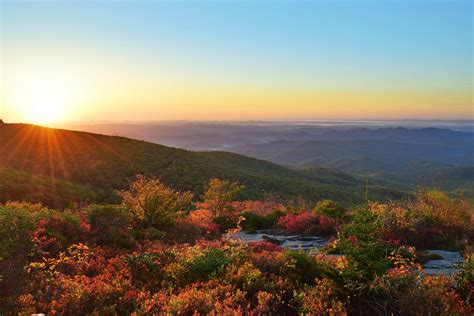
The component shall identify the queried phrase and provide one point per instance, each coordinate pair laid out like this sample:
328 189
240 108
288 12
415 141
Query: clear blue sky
421 46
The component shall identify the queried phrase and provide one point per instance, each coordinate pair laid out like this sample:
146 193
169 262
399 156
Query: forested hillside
93 166
399 157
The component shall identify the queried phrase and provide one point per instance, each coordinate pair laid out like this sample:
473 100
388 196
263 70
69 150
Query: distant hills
403 158
224 135
399 154
54 166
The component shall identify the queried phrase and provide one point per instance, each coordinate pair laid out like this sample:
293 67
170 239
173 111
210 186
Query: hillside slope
103 164
399 157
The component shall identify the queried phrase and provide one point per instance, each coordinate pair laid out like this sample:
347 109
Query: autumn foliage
154 254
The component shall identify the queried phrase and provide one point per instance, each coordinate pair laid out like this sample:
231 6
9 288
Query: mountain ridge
107 163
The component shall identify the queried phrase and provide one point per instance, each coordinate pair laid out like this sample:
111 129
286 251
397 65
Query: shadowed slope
106 163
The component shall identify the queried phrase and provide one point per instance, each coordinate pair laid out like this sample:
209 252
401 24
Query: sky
235 60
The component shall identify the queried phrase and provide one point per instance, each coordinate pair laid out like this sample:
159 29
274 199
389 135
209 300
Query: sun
44 98
48 105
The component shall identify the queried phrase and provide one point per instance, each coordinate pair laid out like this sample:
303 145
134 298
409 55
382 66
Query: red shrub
57 232
203 220
306 223
259 246
197 225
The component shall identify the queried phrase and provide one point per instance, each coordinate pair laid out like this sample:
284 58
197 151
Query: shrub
78 281
298 223
259 246
254 222
197 225
219 196
306 268
246 277
360 241
111 225
146 269
55 233
207 298
16 229
200 266
306 223
404 292
153 204
464 278
321 299
329 208
433 219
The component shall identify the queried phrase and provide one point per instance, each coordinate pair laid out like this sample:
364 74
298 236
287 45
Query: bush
218 200
465 278
111 225
306 268
79 281
17 224
404 292
57 231
201 266
432 220
306 223
321 299
254 222
16 230
329 208
146 270
153 204
360 241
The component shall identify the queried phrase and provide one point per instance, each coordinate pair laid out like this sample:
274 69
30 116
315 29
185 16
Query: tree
153 203
219 195
361 243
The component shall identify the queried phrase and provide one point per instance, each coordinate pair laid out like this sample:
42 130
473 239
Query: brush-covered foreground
159 252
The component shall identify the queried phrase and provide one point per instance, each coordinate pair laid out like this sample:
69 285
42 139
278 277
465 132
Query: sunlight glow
44 97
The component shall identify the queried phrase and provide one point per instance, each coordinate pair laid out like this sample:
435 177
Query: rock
445 265
271 240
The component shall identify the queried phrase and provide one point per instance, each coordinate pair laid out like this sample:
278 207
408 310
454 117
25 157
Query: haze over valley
401 154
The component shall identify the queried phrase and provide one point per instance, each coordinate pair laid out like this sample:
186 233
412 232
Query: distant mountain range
400 154
221 136
403 157
53 166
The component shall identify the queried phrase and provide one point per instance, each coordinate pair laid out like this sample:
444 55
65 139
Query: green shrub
16 227
154 204
306 268
202 267
329 208
254 222
465 278
275 215
146 269
110 225
360 242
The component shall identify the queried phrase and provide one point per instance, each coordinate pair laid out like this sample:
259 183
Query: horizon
235 61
